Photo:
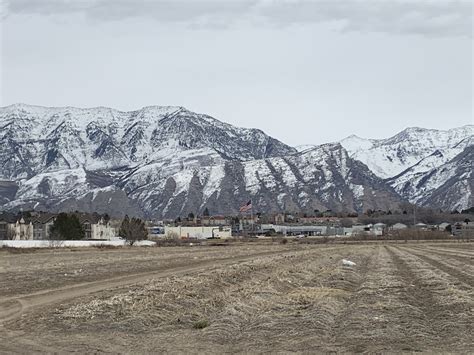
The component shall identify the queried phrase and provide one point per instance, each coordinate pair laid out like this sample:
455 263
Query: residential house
42 224
279 218
379 229
215 221
318 220
96 227
102 230
443 226
421 226
20 230
360 229
399 226
3 230
6 219
86 221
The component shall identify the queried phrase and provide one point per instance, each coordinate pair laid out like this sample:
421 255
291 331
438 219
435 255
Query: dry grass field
240 298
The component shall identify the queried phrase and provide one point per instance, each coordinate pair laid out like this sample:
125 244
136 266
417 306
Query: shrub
201 324
106 246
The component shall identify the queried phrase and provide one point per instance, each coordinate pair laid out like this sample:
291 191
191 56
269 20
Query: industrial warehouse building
203 232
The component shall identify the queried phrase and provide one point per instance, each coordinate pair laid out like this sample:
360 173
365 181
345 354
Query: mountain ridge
165 161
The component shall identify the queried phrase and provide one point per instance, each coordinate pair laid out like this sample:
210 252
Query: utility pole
251 216
414 215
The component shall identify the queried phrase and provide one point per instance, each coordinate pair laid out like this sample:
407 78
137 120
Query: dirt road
14 307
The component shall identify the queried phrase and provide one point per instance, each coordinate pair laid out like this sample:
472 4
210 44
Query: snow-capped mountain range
169 161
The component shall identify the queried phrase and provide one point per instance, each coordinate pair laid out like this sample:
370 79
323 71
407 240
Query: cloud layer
423 17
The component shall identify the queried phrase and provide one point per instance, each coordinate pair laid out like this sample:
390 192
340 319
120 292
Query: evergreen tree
125 228
67 227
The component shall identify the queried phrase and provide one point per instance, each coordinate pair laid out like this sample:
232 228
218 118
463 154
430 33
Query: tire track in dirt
457 246
417 297
467 260
14 307
454 253
305 254
443 309
57 268
382 301
344 323
461 249
288 304
449 269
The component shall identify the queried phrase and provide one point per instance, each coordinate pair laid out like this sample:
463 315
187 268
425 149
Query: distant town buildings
37 226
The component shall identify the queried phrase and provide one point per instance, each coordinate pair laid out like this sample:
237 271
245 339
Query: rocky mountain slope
169 161
420 163
321 178
448 186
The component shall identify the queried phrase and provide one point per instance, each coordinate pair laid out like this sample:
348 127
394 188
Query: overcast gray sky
303 71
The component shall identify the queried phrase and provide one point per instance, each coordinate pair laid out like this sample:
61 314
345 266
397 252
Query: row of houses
37 226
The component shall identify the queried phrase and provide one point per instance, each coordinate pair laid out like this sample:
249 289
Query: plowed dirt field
240 298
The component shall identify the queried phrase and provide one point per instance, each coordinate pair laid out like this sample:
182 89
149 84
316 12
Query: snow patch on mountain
212 179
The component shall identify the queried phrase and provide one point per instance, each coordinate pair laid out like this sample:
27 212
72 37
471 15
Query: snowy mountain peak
36 139
303 147
356 143
169 161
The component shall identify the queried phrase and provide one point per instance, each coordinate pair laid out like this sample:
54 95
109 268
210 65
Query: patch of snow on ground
68 243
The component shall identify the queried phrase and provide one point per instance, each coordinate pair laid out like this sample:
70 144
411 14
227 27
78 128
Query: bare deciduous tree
133 230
